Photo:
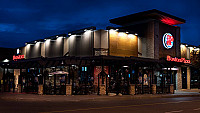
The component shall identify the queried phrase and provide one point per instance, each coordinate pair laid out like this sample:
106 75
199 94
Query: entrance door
184 77
59 84
119 81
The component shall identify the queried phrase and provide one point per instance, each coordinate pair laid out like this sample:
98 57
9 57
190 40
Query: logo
183 60
168 40
18 57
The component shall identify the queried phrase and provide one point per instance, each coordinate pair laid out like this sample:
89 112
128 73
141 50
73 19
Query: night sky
27 20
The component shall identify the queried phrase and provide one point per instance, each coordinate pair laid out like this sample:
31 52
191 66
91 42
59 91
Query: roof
150 14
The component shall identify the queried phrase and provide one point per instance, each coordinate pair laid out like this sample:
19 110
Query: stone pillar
40 89
19 89
179 79
172 88
153 88
132 89
68 89
188 77
102 89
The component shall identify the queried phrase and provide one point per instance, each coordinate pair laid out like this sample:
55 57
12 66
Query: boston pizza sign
15 58
168 40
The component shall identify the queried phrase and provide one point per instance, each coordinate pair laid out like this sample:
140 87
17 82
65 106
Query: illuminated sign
183 60
168 40
18 57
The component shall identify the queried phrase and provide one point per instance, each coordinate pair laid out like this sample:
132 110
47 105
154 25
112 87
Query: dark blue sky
27 20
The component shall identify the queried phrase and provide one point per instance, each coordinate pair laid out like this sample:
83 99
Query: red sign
18 57
169 58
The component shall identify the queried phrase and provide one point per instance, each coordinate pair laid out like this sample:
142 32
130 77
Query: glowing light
18 51
182 46
183 60
168 40
48 40
169 21
18 57
131 36
6 60
121 34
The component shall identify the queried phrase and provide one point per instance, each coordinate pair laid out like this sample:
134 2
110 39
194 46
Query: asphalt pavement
32 103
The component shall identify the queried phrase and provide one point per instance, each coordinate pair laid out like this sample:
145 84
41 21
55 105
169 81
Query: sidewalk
74 98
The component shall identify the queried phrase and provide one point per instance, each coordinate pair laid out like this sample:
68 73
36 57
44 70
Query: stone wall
188 77
68 89
132 89
102 89
179 79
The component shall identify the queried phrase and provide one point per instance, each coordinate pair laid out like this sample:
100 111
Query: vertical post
8 74
69 75
72 80
142 81
98 85
106 84
166 79
21 80
55 82
4 79
44 79
171 81
86 80
162 82
13 83
136 75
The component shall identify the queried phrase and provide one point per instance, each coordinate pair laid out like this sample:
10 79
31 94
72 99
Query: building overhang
146 15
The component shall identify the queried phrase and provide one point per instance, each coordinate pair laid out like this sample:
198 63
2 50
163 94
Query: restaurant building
143 55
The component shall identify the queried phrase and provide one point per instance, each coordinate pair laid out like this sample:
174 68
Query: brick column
172 88
40 89
153 88
102 89
68 89
179 79
132 89
188 77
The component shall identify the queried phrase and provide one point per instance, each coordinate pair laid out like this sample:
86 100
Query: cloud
7 27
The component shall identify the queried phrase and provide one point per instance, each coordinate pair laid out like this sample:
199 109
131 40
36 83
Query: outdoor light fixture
131 36
6 60
121 34
136 34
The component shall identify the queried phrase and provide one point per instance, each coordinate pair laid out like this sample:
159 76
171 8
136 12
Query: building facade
143 55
